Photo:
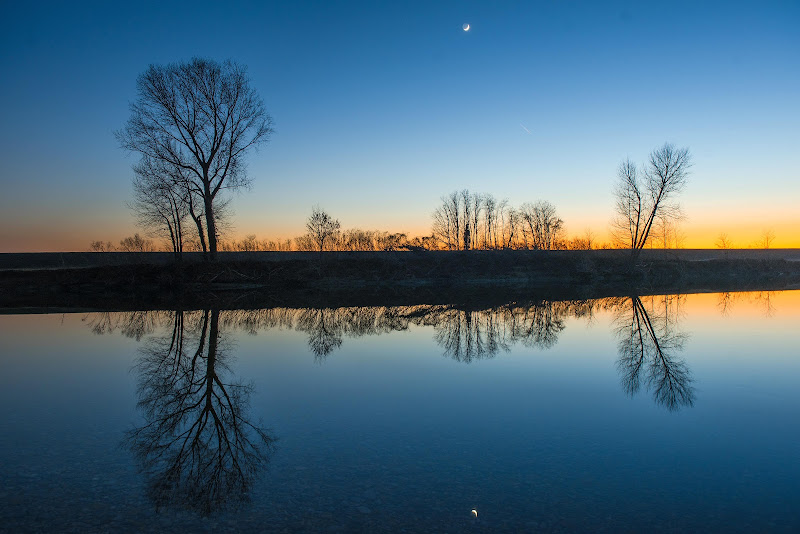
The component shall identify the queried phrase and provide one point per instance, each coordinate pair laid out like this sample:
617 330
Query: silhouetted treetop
322 228
644 194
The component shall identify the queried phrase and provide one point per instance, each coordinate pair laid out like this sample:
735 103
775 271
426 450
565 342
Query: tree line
473 221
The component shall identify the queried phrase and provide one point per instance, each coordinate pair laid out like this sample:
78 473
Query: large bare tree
203 117
642 195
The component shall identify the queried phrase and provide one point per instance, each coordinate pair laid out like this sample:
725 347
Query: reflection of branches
540 325
136 324
197 448
645 347
725 302
465 335
765 298
324 331
469 335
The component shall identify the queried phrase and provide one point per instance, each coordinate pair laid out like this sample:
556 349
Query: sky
381 108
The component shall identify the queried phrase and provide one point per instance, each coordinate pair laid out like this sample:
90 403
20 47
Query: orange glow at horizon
77 237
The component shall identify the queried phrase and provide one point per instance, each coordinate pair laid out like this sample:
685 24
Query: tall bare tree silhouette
643 195
201 117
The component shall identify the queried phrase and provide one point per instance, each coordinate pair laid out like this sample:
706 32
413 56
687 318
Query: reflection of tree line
647 329
197 446
465 334
727 301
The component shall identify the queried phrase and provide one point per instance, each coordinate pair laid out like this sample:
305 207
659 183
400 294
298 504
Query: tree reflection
327 327
324 328
725 301
467 335
765 299
133 324
647 343
171 377
540 325
464 334
197 448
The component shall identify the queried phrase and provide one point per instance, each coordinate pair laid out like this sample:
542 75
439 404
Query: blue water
672 414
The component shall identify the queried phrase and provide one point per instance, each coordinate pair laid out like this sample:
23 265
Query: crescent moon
465 27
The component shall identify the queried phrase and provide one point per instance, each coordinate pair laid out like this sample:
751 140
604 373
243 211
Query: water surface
672 413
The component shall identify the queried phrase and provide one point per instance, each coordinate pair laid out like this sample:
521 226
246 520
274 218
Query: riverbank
385 278
79 260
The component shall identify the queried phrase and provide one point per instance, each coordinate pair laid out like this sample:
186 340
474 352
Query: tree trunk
199 223
213 334
211 226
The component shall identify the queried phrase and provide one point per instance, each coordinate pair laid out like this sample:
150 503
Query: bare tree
489 207
441 229
136 243
643 195
499 226
767 237
100 246
666 231
357 239
304 243
203 117
466 218
584 242
511 225
468 221
477 204
321 228
588 240
282 245
446 222
387 241
159 201
723 242
248 244
541 225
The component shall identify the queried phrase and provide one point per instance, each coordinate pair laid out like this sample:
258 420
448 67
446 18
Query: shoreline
387 278
65 260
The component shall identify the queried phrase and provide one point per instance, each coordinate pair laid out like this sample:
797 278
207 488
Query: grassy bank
383 278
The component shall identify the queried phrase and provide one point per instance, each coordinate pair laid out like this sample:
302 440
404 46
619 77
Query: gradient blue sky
382 107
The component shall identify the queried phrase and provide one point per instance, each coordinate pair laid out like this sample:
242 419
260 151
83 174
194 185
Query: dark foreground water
659 414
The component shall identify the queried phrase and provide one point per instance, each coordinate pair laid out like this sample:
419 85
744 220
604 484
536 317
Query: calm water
672 414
